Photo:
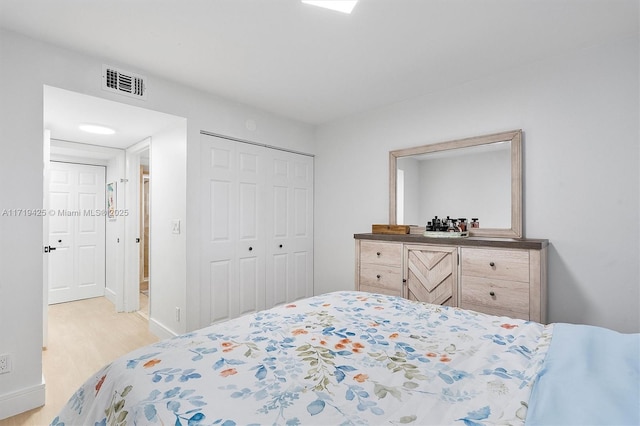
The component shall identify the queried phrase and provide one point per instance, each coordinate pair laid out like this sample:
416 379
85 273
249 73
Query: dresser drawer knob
378 254
378 276
492 293
492 264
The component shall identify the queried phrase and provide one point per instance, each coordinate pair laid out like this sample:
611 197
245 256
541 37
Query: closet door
289 227
232 270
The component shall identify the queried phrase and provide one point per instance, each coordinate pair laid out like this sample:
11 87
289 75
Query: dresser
498 276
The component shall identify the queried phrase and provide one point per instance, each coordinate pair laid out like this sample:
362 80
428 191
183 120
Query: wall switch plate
175 226
5 363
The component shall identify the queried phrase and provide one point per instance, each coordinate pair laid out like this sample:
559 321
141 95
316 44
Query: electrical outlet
5 363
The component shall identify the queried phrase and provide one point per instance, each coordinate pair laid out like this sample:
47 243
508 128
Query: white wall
579 114
25 67
168 261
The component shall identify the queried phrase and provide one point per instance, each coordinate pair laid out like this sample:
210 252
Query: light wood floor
83 336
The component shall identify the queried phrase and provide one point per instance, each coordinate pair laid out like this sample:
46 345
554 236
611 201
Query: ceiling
315 65
64 111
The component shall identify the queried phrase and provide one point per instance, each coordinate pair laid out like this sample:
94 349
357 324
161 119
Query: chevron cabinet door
431 274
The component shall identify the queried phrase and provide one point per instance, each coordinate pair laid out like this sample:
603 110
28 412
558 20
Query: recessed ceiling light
344 6
96 129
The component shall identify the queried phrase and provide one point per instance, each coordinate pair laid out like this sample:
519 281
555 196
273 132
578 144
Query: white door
250 242
233 230
132 234
289 216
46 155
76 232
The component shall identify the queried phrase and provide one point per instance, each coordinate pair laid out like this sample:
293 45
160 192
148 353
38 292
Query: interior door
289 216
133 234
76 231
46 156
233 229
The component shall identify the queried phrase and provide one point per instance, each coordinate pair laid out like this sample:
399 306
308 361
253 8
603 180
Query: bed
360 358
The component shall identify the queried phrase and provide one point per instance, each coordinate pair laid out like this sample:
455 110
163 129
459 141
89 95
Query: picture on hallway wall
111 200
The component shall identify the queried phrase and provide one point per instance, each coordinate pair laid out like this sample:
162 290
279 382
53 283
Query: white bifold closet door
257 222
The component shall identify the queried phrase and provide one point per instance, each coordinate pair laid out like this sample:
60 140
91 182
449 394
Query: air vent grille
123 82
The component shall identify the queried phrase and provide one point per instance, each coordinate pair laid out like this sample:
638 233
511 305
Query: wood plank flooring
83 336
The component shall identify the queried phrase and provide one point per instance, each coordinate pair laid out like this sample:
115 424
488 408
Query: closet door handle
280 245
250 248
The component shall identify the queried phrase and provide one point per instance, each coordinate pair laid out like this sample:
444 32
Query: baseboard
110 295
23 400
160 330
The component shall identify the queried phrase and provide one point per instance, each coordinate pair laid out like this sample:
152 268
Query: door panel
430 274
76 231
289 218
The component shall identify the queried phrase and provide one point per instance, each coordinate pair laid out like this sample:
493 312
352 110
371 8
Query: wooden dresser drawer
497 297
381 290
388 277
511 265
381 253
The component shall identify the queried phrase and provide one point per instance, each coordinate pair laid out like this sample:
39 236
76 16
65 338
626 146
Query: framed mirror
473 178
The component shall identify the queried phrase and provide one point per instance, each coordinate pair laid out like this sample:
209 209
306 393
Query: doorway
145 284
64 111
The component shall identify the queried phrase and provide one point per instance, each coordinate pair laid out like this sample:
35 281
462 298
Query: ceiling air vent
123 82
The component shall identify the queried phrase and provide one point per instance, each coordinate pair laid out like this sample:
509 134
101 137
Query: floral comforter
338 358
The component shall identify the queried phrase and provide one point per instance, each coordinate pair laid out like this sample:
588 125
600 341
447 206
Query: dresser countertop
513 243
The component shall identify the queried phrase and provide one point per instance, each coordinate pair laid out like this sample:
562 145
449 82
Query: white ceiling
316 65
64 111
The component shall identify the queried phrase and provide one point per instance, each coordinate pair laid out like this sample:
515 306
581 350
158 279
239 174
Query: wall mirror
478 177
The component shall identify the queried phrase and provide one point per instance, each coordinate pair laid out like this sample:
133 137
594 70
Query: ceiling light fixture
96 129
344 6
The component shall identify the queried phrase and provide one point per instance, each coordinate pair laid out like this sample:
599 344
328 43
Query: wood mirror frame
515 137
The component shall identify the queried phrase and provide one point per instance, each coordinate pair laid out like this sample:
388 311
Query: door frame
132 232
46 159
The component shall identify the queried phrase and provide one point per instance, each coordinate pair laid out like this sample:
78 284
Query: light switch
175 226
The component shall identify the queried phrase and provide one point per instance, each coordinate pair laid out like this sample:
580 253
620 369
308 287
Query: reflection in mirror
469 178
463 172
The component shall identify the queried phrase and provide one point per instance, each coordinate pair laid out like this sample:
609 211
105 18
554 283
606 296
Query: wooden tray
389 229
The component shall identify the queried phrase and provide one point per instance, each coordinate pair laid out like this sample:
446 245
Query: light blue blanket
591 376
